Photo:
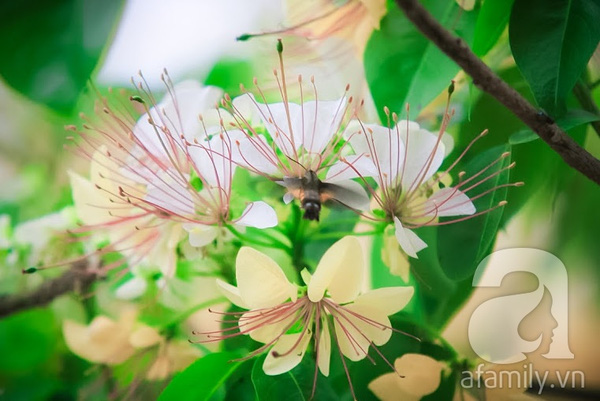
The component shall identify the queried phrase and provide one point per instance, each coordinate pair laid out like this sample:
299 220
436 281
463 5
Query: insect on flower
298 145
285 318
157 177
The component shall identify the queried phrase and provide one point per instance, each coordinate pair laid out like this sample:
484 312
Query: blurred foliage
54 45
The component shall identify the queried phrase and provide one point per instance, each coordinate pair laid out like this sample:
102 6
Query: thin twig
78 278
485 79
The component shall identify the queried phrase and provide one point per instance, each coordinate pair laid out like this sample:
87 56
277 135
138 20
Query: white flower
412 193
299 140
165 176
331 307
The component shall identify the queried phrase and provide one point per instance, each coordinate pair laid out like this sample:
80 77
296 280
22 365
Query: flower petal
449 202
423 150
264 330
131 289
144 337
354 166
259 215
324 351
422 374
286 354
232 293
200 234
356 326
340 272
408 240
387 388
92 204
388 300
261 282
394 258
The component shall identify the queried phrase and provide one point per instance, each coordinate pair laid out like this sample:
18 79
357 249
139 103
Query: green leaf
295 385
462 245
572 119
552 41
50 48
491 21
402 66
202 379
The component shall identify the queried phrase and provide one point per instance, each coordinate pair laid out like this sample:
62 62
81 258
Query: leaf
572 119
552 41
462 245
50 48
402 66
491 21
295 385
202 379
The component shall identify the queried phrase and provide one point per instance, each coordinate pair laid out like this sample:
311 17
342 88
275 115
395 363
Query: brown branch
78 278
485 79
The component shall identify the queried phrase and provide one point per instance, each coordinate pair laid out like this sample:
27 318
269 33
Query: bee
312 193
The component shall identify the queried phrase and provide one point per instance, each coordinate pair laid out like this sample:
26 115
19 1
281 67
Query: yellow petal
422 374
386 388
232 293
394 258
388 300
358 326
92 204
324 352
103 341
261 282
260 330
144 337
340 272
286 353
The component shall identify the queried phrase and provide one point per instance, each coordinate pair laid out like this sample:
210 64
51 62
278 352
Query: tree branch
78 278
485 79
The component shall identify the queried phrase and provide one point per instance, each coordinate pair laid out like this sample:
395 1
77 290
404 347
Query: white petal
200 234
388 300
351 194
288 197
408 240
340 272
449 202
213 160
259 215
232 293
290 349
170 195
422 151
131 289
385 147
256 154
261 282
324 351
362 166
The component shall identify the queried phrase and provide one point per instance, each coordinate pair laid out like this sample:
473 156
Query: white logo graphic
493 328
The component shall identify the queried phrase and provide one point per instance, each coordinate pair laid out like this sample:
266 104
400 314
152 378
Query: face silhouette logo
494 324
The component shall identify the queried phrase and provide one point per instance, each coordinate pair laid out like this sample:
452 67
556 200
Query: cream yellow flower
111 342
285 317
416 376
